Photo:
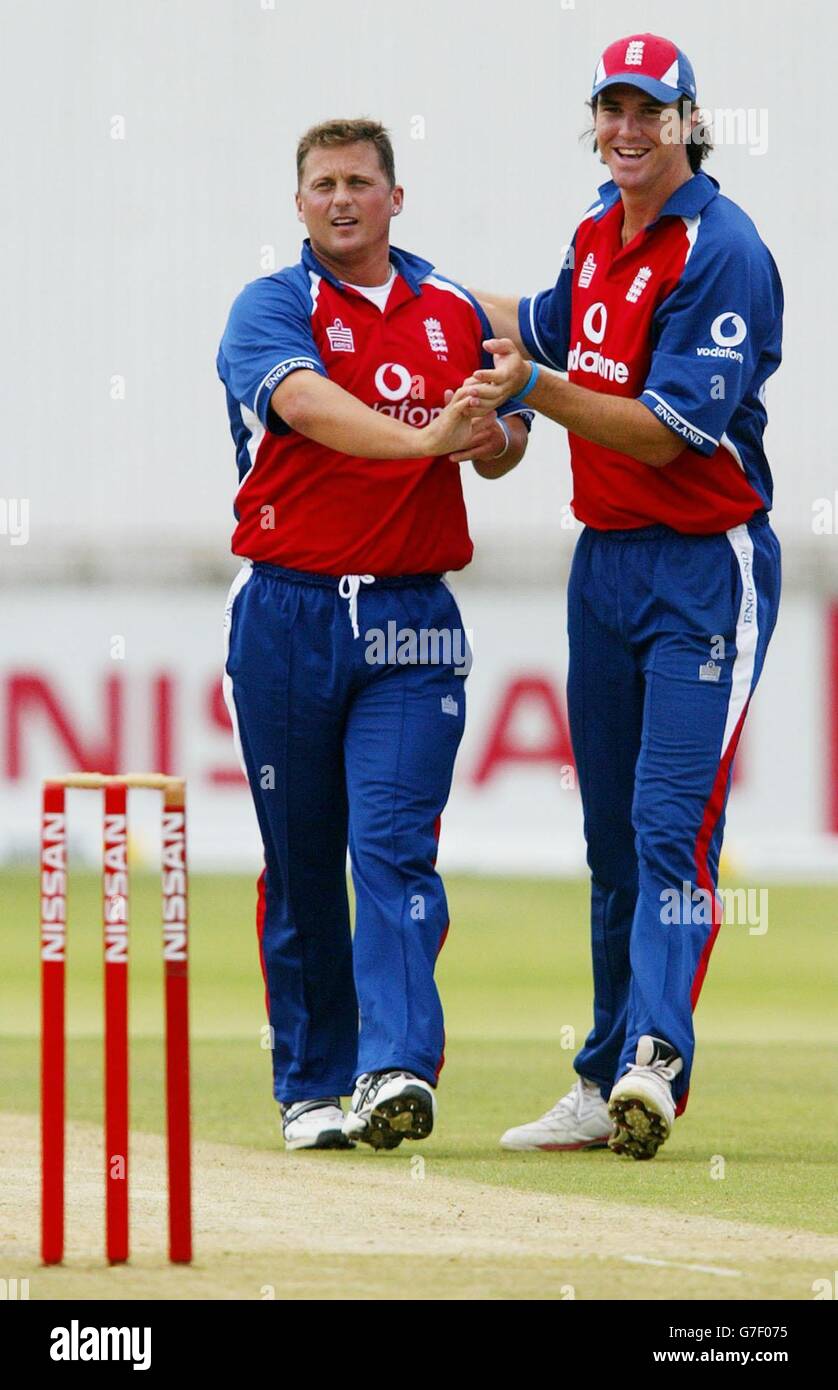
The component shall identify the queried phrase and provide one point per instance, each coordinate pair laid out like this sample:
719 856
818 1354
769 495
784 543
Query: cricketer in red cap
653 350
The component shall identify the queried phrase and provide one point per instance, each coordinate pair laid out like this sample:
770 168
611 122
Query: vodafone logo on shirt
581 359
727 330
402 391
393 381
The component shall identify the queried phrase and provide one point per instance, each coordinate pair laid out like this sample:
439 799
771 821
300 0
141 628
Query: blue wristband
533 378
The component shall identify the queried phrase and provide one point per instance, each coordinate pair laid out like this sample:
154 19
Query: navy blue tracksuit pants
668 634
348 732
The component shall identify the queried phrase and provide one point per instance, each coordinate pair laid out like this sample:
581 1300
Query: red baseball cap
647 61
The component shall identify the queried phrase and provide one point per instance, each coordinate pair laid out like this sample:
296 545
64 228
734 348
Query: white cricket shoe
314 1124
580 1120
641 1103
389 1106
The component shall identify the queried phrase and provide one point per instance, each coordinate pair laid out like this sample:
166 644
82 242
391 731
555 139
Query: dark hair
331 134
698 142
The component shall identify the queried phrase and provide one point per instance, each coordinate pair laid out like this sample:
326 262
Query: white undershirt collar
376 294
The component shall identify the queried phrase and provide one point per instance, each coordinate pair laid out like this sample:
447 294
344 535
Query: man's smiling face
634 135
346 200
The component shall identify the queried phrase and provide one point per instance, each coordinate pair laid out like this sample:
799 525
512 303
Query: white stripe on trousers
747 632
226 681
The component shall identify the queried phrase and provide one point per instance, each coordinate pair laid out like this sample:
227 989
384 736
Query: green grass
514 974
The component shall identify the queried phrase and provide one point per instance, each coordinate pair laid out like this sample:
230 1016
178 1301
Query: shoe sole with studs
639 1130
409 1115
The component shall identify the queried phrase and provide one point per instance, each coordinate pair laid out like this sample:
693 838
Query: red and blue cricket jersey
306 507
674 589
687 319
362 748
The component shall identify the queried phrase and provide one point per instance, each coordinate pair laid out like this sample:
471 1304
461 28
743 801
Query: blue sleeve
513 406
716 338
544 320
268 336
